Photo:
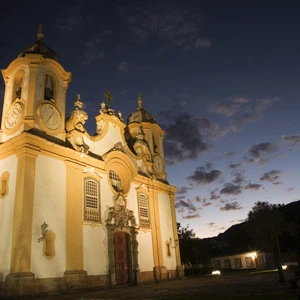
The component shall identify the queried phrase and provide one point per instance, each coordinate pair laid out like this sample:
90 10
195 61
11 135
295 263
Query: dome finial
139 101
40 34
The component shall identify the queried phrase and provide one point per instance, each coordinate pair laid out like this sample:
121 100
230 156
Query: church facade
79 211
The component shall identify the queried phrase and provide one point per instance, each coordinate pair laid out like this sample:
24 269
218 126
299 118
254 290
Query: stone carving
119 215
75 127
142 150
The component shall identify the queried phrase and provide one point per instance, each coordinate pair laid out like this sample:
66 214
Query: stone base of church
76 279
22 283
179 271
160 273
26 284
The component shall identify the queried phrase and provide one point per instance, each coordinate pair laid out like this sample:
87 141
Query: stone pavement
238 286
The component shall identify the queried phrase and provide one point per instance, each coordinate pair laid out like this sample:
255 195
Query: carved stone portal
122 219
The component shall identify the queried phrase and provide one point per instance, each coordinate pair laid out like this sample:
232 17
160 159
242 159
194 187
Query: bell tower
35 93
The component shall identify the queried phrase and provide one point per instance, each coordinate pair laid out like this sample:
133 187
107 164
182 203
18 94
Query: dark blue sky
221 77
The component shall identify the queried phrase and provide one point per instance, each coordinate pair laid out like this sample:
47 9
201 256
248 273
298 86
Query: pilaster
75 275
179 268
160 272
21 280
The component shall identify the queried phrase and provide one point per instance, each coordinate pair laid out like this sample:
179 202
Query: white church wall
95 250
146 261
49 207
108 141
106 197
166 230
8 164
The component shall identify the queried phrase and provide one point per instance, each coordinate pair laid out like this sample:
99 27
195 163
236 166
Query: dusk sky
222 78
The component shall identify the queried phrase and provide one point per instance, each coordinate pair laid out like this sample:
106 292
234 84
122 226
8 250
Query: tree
267 224
184 233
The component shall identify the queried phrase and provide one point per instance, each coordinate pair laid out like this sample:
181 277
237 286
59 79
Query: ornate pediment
119 216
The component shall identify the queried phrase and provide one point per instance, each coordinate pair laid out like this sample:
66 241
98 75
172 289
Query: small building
242 261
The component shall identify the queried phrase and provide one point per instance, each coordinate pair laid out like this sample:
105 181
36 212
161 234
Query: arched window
49 88
115 180
18 85
91 200
144 210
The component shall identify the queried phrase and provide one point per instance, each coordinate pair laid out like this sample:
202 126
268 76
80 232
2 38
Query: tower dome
140 115
40 48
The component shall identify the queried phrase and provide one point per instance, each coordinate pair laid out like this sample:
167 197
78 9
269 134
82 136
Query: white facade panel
95 250
146 261
166 230
49 207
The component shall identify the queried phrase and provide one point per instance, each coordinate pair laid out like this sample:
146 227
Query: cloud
91 53
171 24
240 100
231 189
211 224
231 206
260 153
69 20
238 177
125 66
253 186
227 110
290 189
262 148
294 140
192 216
183 190
184 138
227 154
251 113
271 176
185 204
213 195
233 166
206 204
202 43
204 175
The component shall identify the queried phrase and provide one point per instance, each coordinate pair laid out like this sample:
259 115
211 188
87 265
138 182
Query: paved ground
230 287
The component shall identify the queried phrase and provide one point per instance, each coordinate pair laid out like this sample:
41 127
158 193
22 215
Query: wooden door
122 261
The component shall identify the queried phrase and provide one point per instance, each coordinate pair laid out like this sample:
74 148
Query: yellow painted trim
175 231
20 122
23 210
74 213
155 226
49 245
124 166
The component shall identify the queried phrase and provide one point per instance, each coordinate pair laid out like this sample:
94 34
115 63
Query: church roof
40 48
140 115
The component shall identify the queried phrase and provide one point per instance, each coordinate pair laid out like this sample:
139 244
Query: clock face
50 116
13 115
158 164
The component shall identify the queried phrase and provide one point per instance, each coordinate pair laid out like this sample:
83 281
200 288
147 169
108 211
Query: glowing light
216 272
284 267
254 255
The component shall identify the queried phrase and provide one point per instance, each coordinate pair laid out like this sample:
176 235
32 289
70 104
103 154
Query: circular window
115 180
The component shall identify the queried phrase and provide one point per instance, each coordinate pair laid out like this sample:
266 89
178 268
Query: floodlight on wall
253 255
